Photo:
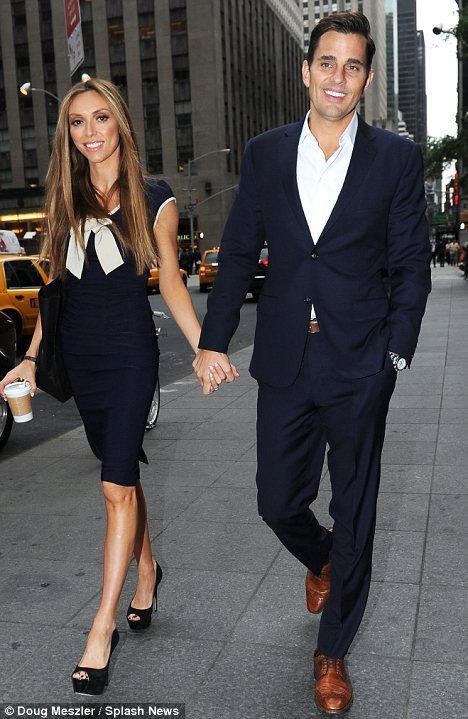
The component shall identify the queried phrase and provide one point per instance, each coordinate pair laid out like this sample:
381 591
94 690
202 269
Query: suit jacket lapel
363 155
288 168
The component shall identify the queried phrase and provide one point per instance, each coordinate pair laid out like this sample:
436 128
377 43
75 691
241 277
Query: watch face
401 364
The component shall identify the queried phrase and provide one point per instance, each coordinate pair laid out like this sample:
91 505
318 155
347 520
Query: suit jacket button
314 255
308 300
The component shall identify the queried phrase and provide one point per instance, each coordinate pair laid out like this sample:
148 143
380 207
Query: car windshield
211 257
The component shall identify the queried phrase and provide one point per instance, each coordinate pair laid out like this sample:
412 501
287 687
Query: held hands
26 370
212 368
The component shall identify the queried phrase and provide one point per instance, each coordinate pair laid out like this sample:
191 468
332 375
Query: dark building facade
199 76
391 18
408 64
421 119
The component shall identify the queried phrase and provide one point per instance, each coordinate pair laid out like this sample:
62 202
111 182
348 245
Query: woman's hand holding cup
27 370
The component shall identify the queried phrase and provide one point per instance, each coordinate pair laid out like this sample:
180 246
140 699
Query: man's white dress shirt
320 181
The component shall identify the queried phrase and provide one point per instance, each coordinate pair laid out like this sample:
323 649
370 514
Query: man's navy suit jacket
378 227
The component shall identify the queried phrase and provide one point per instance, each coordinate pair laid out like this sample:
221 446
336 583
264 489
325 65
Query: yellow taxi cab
208 269
21 278
153 280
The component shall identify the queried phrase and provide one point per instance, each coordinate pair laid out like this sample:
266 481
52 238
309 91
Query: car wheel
153 414
6 422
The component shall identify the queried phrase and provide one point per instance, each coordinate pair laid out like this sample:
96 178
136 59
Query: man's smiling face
338 75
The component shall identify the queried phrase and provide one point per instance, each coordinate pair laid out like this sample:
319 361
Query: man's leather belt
314 326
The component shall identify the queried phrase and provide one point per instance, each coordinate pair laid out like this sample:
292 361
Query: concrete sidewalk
232 637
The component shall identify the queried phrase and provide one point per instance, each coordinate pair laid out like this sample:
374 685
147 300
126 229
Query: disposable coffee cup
19 399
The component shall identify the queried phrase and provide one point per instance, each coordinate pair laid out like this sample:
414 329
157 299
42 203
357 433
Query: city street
53 418
324 146
232 637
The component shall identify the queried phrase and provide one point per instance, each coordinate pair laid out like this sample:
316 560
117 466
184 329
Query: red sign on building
74 34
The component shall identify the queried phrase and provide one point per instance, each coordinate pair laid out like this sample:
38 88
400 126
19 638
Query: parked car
259 277
20 281
7 362
208 269
153 280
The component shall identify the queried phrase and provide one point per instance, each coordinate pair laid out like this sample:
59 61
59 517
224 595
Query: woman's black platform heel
97 678
137 625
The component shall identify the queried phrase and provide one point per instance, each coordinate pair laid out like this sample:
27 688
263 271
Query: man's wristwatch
399 363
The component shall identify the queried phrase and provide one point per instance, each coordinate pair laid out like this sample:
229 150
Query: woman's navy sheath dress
109 343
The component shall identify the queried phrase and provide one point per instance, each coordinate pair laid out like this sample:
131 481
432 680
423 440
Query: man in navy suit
341 206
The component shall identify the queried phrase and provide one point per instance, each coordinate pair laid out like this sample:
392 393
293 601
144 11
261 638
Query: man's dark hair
349 23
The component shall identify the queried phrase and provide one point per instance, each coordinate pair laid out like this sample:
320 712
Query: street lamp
26 88
191 205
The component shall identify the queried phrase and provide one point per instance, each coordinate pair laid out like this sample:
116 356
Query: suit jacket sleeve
409 254
241 243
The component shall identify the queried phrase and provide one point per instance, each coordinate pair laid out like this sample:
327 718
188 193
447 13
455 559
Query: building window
23 74
116 34
48 66
114 8
150 87
181 70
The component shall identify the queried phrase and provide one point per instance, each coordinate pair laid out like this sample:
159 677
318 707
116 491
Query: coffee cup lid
17 389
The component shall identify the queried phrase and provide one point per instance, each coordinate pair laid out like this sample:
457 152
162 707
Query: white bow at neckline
108 253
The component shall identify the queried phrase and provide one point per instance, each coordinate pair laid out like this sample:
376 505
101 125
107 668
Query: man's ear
370 77
306 73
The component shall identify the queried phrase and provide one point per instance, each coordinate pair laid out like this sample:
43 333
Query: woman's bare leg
144 558
122 523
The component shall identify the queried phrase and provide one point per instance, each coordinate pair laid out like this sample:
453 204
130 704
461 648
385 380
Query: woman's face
93 127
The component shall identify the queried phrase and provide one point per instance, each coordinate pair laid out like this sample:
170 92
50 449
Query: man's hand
212 368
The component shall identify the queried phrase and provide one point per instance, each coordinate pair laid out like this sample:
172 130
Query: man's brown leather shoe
333 690
318 588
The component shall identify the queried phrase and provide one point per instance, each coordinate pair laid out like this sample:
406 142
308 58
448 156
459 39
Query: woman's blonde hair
71 197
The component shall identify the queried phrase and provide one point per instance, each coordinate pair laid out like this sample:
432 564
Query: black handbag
51 375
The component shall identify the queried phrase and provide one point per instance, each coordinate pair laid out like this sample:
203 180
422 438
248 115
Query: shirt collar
348 134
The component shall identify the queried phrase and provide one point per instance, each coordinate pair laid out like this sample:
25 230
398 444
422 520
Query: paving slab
442 612
449 479
248 547
445 560
404 478
438 689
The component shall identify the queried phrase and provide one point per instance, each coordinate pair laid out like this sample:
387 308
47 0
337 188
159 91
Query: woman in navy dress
106 226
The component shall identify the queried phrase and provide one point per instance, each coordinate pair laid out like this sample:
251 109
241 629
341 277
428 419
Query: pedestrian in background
350 199
197 260
189 262
441 252
183 259
107 226
433 252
